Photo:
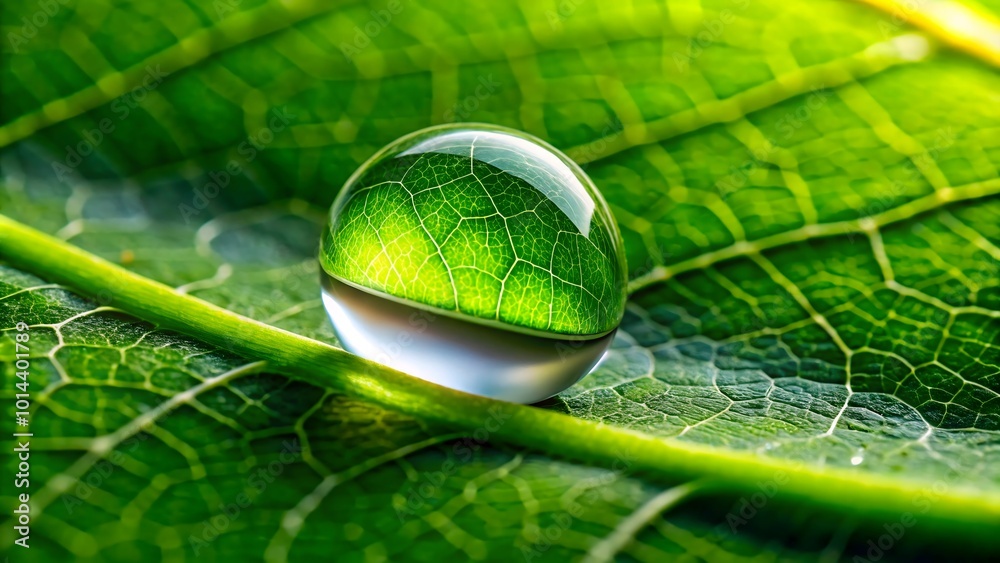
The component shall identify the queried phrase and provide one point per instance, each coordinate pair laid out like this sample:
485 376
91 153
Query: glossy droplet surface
499 238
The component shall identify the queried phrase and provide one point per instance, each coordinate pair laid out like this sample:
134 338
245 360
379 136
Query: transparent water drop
470 357
858 458
478 258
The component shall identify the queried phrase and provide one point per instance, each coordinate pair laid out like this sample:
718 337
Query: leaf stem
547 431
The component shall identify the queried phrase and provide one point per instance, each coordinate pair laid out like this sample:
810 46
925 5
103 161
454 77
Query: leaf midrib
318 363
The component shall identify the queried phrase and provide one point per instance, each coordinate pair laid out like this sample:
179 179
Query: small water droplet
857 459
478 258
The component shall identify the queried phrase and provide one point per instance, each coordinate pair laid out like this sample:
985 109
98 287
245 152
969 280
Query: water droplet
857 459
470 357
475 257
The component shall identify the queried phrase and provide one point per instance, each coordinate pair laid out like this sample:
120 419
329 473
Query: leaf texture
808 198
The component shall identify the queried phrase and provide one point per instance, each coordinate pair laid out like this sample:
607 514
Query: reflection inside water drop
455 353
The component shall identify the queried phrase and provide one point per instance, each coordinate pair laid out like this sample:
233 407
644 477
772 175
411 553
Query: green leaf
149 444
809 203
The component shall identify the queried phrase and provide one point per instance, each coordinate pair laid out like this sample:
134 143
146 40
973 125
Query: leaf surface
809 205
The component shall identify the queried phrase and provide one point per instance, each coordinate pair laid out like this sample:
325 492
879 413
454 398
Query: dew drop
857 459
478 258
